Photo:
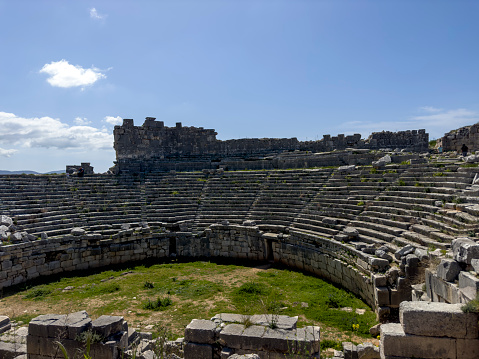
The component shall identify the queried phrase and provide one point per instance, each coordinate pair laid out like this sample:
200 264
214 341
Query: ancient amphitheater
383 217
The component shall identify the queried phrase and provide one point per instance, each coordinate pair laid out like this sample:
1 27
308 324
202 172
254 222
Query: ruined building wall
156 147
453 140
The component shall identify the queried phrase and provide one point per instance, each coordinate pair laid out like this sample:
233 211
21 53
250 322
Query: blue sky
70 70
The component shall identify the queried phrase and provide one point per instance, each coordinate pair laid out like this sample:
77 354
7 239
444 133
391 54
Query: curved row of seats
394 206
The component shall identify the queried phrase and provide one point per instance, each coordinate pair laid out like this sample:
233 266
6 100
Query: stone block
350 350
467 348
465 250
43 325
281 321
307 340
404 251
77 323
381 296
279 340
107 325
448 270
438 320
198 351
200 331
252 337
368 351
378 263
396 343
230 336
469 284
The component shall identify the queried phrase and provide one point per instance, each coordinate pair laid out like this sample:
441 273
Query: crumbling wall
453 140
46 331
156 147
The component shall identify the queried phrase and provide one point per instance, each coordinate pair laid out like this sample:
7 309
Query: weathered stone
379 263
375 329
351 232
383 254
346 169
438 320
350 350
368 351
280 321
107 325
395 343
78 231
198 351
404 251
448 270
5 220
465 249
201 331
475 265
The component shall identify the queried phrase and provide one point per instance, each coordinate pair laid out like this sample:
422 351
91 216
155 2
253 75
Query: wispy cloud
113 120
47 132
436 121
63 74
81 121
7 153
430 109
94 14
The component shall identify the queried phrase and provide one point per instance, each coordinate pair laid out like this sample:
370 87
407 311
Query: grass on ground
172 294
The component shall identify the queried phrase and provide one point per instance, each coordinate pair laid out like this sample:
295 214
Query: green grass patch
201 290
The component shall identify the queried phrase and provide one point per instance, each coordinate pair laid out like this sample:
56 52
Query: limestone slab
438 320
200 331
396 343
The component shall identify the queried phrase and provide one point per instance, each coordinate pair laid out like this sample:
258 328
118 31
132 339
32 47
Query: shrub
471 307
158 304
38 293
148 285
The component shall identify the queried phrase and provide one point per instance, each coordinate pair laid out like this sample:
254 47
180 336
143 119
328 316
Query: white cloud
430 109
113 120
47 132
7 153
437 122
63 74
94 14
81 121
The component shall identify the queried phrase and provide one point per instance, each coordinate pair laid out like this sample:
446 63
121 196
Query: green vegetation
158 304
471 307
176 293
432 143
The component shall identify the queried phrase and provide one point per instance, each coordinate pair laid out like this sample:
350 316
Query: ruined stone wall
453 140
414 140
329 259
156 147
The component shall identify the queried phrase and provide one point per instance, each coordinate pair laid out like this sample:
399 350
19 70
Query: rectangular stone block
252 337
40 326
396 343
381 295
231 335
438 320
201 331
107 325
198 351
278 340
467 348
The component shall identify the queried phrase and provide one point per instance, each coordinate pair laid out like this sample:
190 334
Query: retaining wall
326 258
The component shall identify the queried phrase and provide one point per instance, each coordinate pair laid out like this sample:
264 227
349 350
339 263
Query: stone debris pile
12 234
